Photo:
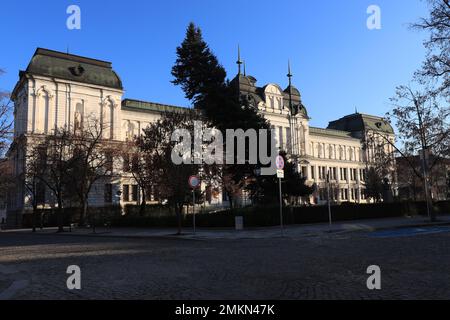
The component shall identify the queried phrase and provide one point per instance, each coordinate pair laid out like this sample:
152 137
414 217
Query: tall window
126 192
280 137
108 193
288 140
134 192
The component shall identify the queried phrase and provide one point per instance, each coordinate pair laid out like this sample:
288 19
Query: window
305 172
280 137
126 192
313 174
108 193
344 174
126 163
272 102
40 193
109 162
134 192
288 140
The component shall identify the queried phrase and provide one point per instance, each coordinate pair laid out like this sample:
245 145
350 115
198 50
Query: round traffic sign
279 163
194 182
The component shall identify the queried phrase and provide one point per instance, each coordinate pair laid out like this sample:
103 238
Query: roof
359 122
137 105
66 66
330 132
247 87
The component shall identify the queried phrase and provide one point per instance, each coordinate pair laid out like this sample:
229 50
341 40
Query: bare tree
424 128
91 160
139 163
171 179
5 119
33 175
380 167
57 154
436 68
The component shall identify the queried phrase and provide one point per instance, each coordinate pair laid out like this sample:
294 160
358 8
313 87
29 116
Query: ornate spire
289 75
239 61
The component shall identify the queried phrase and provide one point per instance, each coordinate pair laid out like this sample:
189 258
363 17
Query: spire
289 75
356 110
245 73
239 61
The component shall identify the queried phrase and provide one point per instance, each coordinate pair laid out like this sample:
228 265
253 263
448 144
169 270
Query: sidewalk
291 231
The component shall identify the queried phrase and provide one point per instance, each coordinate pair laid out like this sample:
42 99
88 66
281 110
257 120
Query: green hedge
161 216
49 217
269 215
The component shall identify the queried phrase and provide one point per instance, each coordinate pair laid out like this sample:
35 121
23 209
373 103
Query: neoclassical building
59 90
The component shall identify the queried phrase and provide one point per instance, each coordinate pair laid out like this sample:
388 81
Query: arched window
110 112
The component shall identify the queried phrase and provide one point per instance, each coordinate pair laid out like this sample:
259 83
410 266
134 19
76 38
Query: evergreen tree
203 80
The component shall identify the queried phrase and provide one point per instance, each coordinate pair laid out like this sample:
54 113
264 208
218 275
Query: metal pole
281 207
426 186
329 203
193 207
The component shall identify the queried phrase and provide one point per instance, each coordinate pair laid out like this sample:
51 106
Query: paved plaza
414 264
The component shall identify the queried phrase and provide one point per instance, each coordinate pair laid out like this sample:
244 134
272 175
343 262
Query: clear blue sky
338 64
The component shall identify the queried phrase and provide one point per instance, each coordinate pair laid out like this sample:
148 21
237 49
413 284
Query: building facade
59 90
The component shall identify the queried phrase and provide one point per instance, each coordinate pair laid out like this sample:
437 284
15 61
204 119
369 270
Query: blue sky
338 64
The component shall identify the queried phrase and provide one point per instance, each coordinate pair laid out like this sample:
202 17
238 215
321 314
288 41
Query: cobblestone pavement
327 267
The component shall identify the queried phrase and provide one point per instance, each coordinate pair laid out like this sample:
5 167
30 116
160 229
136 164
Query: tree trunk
83 213
60 215
143 204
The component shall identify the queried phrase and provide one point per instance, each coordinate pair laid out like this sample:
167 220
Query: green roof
137 105
330 132
65 66
359 122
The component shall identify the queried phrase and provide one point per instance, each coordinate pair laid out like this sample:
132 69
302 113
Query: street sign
194 182
280 174
279 162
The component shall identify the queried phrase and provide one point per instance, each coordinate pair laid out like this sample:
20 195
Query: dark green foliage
265 189
265 216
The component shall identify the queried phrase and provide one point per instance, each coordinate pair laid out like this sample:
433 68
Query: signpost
280 175
328 197
194 183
